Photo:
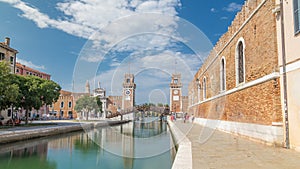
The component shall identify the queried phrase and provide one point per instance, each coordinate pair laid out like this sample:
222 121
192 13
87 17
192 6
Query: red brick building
26 71
239 81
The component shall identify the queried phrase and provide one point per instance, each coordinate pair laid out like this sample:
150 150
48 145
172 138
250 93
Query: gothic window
70 104
240 62
204 88
61 104
223 75
297 15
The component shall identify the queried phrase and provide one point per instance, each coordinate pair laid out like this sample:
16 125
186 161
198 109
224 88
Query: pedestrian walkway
226 151
20 133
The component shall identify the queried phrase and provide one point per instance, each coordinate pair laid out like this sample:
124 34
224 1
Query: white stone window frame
221 74
237 61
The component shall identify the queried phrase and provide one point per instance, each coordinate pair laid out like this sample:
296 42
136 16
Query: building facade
64 107
8 54
128 94
288 34
176 105
24 70
238 86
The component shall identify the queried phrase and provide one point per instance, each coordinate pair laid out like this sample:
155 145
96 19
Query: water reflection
130 146
21 157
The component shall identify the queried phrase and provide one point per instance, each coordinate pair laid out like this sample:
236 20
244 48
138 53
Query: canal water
136 145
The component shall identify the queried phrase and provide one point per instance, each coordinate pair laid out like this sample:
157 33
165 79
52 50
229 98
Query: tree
35 92
160 105
86 104
50 92
99 103
8 90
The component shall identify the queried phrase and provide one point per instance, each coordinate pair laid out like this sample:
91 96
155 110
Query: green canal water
136 145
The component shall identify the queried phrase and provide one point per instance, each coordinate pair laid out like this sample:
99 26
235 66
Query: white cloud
213 10
224 18
100 21
233 7
140 31
82 18
30 64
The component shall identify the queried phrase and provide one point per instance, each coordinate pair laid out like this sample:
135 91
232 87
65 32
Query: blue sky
66 37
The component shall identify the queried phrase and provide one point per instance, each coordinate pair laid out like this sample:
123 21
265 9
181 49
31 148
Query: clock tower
176 93
128 94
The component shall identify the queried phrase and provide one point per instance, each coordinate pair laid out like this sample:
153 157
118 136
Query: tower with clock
176 93
128 94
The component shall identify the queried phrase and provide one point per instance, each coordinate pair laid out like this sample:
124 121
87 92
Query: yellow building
8 54
64 107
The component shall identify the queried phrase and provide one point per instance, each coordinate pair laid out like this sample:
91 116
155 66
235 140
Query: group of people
186 117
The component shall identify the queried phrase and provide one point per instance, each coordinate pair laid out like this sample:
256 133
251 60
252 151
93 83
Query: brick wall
113 103
259 103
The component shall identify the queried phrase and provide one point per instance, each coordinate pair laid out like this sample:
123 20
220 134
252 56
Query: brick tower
128 94
176 93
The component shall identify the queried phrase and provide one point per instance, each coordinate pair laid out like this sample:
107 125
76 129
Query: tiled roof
19 65
8 48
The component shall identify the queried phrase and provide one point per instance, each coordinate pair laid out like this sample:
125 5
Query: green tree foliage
50 92
86 104
160 105
99 103
25 91
35 92
8 90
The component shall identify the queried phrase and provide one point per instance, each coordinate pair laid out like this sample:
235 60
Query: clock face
127 92
175 91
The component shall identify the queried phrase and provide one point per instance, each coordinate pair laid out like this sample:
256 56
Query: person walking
193 118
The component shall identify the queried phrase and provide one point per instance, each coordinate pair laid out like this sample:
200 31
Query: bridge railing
137 109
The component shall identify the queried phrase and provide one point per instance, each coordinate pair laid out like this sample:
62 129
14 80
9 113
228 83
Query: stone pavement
227 151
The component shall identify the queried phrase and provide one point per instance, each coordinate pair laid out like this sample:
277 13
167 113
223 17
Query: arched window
223 75
204 88
240 62
61 104
70 104
199 88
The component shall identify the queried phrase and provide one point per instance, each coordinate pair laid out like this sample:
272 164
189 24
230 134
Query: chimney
7 41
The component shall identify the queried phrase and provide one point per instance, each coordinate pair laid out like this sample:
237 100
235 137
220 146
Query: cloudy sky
100 40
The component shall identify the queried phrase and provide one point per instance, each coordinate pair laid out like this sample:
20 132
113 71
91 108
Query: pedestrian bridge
140 112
